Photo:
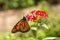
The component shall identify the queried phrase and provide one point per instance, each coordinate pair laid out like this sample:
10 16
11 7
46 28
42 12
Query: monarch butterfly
21 26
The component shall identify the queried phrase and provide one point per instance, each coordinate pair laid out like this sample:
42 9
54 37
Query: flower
39 13
30 17
35 14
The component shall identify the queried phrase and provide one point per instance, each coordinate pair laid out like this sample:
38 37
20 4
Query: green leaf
45 26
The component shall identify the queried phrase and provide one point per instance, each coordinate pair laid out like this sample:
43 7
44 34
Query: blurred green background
9 7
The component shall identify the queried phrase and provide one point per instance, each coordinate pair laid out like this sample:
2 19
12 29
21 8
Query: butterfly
21 26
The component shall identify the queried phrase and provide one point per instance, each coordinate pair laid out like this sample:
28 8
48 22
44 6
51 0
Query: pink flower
36 13
30 17
39 13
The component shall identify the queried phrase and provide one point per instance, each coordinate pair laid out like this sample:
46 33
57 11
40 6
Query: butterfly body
21 26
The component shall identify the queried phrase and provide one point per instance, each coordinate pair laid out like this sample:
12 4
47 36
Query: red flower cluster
36 13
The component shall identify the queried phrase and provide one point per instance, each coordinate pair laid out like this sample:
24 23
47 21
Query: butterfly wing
22 26
17 26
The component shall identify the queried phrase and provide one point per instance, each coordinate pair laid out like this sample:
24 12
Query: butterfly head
24 18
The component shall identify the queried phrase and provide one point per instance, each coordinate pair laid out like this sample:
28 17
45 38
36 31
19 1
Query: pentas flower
39 13
35 14
30 17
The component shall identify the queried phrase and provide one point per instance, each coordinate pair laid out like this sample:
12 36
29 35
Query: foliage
17 4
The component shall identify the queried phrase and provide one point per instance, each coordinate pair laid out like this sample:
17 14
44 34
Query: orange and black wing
21 26
24 27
